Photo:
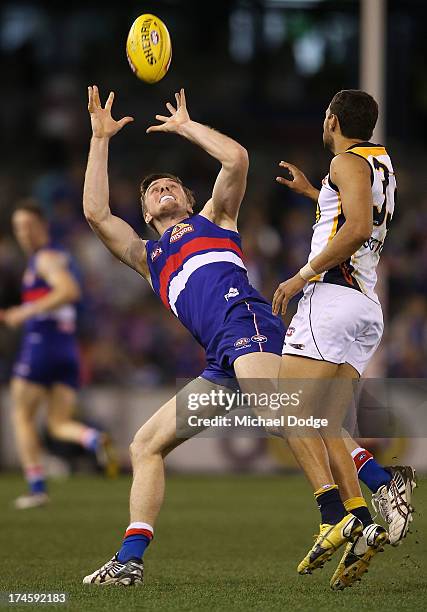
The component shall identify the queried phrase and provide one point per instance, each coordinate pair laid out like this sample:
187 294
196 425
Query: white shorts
337 324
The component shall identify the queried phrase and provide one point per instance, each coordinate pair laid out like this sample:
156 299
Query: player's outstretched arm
119 237
352 176
299 182
230 184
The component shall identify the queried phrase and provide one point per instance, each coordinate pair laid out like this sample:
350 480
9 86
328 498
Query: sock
369 471
137 538
90 439
330 504
358 507
35 478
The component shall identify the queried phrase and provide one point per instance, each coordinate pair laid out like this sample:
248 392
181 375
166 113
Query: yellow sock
354 502
324 489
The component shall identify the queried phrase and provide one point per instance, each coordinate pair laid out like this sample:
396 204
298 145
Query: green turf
222 543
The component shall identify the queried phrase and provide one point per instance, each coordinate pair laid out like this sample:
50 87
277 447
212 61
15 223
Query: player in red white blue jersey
197 269
47 368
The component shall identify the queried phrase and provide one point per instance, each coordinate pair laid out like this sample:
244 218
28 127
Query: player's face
165 196
29 230
327 134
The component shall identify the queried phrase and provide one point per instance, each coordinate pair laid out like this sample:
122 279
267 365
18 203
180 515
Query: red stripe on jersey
145 532
173 262
30 295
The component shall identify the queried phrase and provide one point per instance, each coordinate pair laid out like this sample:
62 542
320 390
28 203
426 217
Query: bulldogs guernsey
49 349
197 270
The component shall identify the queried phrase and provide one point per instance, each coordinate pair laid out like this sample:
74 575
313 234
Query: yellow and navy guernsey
359 271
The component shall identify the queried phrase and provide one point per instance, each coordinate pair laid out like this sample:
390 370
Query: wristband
307 272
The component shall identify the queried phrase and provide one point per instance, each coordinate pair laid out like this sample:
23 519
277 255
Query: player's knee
23 413
53 425
143 445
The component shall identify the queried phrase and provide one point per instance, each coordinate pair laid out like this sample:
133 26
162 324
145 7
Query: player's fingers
170 108
89 99
178 100
109 102
183 99
96 98
287 165
284 305
276 301
283 181
155 128
124 121
162 118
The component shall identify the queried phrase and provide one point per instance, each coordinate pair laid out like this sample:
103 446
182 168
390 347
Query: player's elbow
73 292
242 157
238 159
361 232
92 218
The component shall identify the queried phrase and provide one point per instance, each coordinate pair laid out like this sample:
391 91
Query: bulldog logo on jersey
180 230
155 254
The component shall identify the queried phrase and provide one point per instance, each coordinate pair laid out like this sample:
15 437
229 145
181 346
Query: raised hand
178 116
103 125
299 182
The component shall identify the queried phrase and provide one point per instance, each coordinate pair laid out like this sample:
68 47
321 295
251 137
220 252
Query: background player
196 268
47 369
339 323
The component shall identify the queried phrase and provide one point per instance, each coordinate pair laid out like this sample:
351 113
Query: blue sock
90 439
137 537
35 478
369 471
38 486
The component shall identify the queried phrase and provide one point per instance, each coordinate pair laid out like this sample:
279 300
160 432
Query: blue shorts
249 327
48 360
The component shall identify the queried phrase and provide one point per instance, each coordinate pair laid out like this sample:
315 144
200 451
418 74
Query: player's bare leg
391 486
341 522
26 399
61 408
150 446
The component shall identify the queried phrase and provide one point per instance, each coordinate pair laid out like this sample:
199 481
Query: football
148 48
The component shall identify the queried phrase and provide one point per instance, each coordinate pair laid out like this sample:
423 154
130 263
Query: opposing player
338 326
47 369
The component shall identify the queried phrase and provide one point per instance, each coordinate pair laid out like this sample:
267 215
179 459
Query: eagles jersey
360 270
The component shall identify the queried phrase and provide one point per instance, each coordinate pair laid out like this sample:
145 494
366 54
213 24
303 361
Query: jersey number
381 213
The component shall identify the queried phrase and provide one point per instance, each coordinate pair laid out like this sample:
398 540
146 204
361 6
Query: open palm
178 116
103 125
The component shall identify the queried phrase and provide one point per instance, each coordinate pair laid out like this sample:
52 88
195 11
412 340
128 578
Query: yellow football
148 48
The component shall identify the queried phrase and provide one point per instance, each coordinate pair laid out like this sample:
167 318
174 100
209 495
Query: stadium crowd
126 336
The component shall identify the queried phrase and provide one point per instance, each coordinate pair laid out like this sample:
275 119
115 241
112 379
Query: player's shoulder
349 162
51 256
221 220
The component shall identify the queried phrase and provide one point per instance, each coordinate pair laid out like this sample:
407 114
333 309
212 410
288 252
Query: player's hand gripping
299 182
285 292
103 125
178 116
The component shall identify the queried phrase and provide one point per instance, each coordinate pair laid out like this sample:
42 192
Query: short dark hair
357 112
150 178
31 205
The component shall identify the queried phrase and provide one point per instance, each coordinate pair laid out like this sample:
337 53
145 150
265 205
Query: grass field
222 543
